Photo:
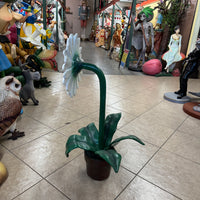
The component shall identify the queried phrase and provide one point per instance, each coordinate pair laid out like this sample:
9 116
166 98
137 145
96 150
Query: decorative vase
97 168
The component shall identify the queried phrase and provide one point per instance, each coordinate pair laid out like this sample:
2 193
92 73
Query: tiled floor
166 168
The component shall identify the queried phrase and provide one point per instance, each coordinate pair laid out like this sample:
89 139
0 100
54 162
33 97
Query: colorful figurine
116 39
30 18
174 53
10 106
191 63
27 91
7 19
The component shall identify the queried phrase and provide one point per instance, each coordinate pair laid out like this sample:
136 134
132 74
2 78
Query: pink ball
152 67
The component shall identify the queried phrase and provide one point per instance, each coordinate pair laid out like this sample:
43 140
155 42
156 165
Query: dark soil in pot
97 168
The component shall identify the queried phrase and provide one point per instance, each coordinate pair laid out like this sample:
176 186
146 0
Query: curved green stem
102 82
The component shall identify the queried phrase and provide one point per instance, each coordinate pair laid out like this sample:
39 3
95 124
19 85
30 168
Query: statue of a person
191 62
84 15
174 53
142 30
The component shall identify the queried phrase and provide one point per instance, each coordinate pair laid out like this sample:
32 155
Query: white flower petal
72 48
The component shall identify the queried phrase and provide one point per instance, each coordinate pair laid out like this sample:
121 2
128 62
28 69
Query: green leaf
91 133
78 141
110 127
111 157
132 137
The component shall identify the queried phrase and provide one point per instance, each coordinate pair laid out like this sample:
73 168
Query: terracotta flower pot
97 168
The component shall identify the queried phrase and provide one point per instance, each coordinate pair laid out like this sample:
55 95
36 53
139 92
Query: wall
195 29
186 25
72 21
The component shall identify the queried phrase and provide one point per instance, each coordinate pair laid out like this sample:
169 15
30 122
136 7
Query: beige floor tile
184 145
148 98
86 106
73 127
140 189
46 154
111 99
174 174
191 126
32 128
57 117
42 191
44 104
151 132
134 155
120 92
131 107
166 114
73 181
20 177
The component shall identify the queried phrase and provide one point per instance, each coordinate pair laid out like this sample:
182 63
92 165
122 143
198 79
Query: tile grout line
26 189
42 178
137 174
125 186
159 187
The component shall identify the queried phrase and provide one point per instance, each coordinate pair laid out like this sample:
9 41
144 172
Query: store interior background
167 167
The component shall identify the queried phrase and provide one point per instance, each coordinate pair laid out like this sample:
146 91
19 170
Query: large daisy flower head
72 64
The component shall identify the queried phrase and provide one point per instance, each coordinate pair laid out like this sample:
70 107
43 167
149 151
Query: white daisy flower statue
97 144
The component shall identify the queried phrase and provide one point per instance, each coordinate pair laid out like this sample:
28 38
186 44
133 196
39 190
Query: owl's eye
17 85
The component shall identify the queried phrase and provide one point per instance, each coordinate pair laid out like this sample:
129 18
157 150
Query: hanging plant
172 11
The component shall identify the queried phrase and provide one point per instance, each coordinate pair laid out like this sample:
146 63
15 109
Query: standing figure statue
191 62
61 35
142 30
174 54
84 15
116 39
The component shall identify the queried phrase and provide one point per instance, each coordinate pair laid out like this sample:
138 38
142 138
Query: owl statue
10 106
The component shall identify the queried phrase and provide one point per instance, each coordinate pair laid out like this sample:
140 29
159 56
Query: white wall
73 24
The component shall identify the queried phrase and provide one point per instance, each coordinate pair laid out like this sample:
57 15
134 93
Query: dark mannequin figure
193 62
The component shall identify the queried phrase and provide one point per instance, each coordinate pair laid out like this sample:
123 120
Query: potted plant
100 153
